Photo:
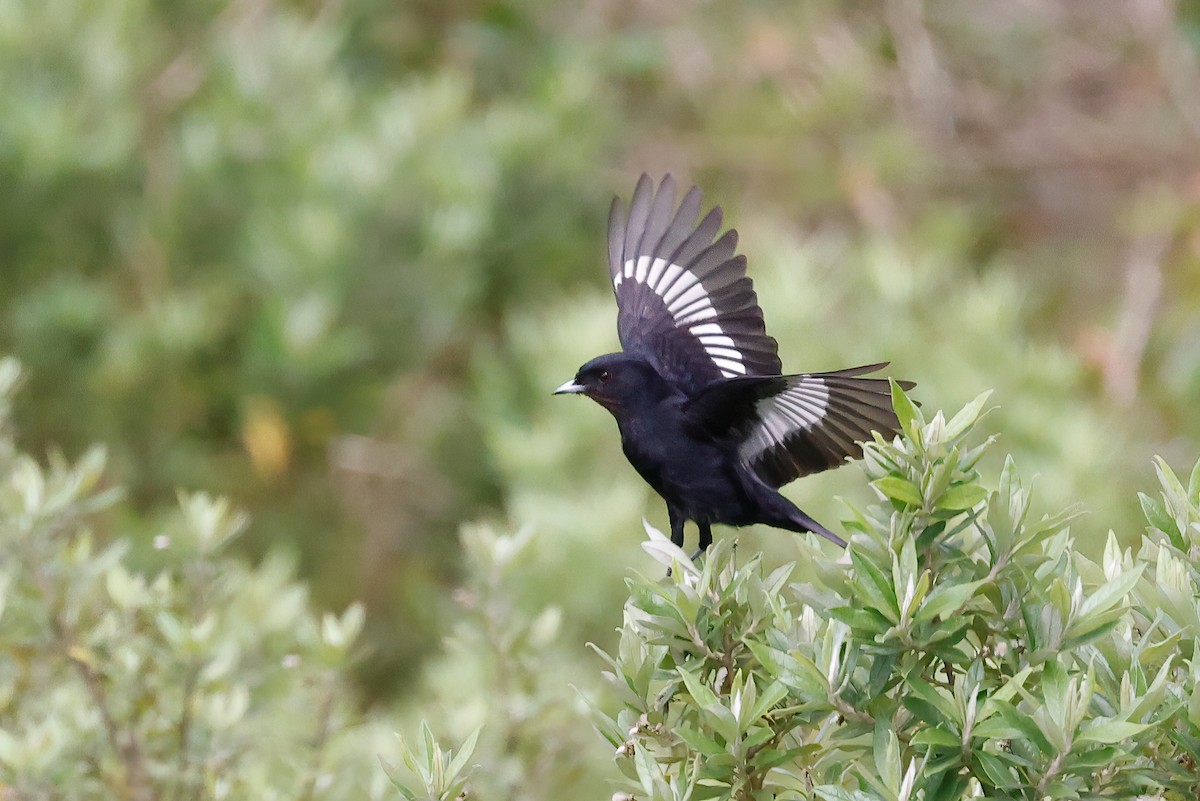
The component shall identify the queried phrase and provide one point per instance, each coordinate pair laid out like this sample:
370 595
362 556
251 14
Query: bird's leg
676 527
705 539
677 521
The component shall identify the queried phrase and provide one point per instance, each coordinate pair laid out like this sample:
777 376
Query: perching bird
705 415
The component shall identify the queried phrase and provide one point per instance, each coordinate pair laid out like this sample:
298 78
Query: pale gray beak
569 388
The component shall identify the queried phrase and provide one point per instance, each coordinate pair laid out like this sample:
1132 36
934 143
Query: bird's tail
784 514
803 522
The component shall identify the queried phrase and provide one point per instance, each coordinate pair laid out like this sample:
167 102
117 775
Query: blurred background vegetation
329 258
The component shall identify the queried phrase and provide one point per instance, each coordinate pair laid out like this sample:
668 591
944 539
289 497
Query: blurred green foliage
327 258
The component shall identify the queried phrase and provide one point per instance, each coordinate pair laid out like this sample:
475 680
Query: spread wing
684 301
790 426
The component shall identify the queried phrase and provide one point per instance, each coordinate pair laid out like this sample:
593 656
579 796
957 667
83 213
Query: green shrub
962 647
186 676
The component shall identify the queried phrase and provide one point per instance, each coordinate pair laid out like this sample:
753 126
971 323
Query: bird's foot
696 555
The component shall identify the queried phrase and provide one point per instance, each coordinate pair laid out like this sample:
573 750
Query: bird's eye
604 376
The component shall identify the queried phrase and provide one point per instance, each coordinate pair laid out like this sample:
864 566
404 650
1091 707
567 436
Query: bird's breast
693 475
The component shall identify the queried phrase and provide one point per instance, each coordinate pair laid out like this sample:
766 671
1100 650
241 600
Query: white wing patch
690 305
799 407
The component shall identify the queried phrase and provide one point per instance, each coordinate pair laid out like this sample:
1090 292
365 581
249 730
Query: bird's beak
569 388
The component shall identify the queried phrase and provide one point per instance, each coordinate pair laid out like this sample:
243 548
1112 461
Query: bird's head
616 381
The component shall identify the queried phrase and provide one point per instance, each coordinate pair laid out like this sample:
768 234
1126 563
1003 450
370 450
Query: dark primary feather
705 414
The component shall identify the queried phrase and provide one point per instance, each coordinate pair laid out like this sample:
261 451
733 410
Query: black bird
705 415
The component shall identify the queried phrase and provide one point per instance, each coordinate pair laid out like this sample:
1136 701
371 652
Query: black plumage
706 416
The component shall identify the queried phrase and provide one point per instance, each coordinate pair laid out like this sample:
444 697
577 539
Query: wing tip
616 236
